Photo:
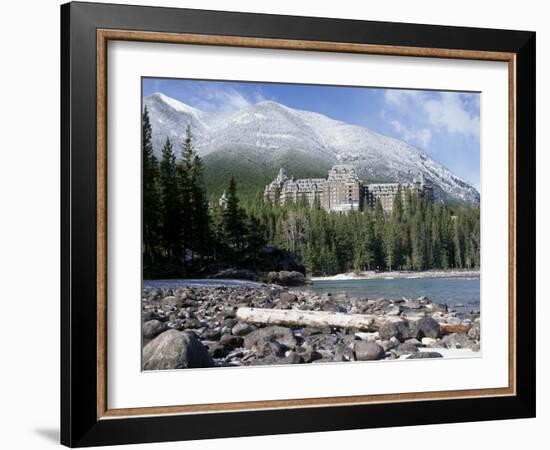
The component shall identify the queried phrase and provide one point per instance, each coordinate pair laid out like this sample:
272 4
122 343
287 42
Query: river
451 291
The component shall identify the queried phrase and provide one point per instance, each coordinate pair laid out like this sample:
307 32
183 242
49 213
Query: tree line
417 235
184 232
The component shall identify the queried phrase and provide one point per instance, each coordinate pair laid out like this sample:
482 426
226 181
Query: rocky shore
191 327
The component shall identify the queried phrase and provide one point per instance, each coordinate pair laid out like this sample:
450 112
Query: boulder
153 328
277 334
287 297
175 350
457 340
406 348
333 307
424 355
427 327
399 330
242 329
231 341
343 353
240 274
368 351
171 302
475 332
387 345
428 341
211 334
291 278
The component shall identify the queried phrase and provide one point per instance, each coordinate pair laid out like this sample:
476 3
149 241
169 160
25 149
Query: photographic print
299 224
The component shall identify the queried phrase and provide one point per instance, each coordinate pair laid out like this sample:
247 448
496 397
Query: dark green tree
233 220
170 204
151 195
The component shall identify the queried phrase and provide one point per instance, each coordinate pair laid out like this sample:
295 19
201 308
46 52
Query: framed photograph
276 224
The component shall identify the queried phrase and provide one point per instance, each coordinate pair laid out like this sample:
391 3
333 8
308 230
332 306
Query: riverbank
243 325
372 275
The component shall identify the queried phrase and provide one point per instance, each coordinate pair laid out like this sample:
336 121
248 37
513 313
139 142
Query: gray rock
439 307
387 345
456 340
424 355
171 302
217 350
368 351
287 297
211 334
333 307
291 278
399 330
414 342
475 332
240 274
266 349
175 350
230 341
311 331
343 353
242 329
278 334
192 323
403 349
153 328
310 356
427 327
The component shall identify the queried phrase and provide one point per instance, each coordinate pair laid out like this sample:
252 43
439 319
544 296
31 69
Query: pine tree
151 195
233 219
379 226
170 203
195 229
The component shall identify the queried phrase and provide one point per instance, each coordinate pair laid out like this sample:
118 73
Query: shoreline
231 326
400 274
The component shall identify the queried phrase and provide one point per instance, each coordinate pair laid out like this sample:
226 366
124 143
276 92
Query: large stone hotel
342 190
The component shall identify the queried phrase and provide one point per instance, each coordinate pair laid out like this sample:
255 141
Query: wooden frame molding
103 36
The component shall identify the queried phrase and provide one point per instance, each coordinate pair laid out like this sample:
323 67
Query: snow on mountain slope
267 133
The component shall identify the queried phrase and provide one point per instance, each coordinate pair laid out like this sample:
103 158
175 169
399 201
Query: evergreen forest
186 232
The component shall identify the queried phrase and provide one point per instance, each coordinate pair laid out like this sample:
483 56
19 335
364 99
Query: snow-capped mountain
269 135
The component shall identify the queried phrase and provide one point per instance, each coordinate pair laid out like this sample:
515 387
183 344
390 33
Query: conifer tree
151 194
379 226
233 219
170 203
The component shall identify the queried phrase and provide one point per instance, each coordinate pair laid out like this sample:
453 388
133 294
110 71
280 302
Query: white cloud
421 136
224 98
430 112
398 97
450 113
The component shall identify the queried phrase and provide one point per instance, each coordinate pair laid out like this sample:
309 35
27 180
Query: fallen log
449 328
299 318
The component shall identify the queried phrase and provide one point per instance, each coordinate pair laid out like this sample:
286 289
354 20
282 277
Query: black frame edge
79 425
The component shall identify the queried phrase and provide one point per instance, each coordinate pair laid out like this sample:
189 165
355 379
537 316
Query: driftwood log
295 317
449 328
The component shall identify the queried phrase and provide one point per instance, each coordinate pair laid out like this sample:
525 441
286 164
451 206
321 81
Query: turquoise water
451 291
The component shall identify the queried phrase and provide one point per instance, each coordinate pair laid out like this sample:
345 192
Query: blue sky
444 124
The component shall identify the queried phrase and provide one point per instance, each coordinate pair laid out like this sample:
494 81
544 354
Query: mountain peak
270 135
174 104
